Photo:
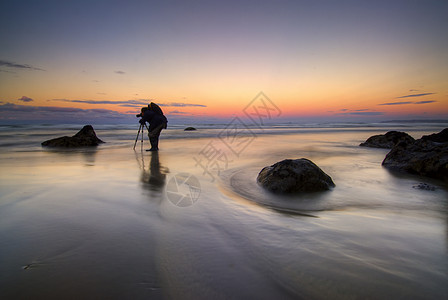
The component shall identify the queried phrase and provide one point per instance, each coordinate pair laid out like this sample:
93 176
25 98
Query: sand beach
191 222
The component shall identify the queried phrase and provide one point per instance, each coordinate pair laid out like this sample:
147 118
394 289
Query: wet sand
116 223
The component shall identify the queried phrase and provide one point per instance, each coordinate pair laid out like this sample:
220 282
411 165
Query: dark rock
388 140
190 129
86 137
423 157
294 175
441 137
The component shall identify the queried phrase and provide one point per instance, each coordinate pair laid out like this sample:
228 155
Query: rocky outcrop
86 137
427 156
423 157
441 137
190 129
294 175
388 140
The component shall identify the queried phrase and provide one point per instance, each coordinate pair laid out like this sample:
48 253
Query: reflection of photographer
157 121
154 178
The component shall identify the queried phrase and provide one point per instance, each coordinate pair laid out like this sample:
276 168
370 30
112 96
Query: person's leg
154 138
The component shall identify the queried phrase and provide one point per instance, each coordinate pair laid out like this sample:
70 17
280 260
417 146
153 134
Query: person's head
142 112
144 109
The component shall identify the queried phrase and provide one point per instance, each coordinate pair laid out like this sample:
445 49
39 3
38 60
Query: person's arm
147 117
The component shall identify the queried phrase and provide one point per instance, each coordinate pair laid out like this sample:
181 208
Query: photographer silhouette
153 114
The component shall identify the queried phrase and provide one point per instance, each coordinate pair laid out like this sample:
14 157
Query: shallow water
113 223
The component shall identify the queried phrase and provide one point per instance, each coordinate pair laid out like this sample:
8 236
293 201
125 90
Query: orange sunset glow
355 60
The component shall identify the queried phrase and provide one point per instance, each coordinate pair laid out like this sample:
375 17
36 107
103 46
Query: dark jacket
154 119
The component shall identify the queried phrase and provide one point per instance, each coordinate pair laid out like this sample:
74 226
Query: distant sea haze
21 136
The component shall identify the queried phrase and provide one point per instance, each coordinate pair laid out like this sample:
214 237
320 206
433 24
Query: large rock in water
294 175
388 140
441 137
86 137
424 157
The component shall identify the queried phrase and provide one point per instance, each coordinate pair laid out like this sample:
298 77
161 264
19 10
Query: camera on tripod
142 112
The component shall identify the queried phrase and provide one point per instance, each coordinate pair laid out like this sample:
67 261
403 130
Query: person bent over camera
157 122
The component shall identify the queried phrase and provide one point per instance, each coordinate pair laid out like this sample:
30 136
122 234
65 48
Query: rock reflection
88 154
153 178
89 157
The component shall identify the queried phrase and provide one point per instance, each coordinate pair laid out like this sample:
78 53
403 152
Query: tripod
138 133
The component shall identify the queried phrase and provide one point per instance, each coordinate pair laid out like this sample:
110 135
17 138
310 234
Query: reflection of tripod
138 133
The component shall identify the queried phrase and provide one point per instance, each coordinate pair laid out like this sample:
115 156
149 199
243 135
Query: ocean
191 222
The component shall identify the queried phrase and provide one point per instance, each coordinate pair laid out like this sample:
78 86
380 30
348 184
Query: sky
102 60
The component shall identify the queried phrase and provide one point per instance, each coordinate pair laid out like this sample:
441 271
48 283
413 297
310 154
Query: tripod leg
141 147
138 133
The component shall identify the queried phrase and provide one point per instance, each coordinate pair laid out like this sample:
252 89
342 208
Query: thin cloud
361 112
180 104
415 95
4 63
25 99
397 103
358 112
408 102
120 72
131 103
10 107
425 102
366 113
10 111
120 103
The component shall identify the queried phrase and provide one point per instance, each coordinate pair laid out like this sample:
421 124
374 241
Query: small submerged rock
424 186
190 129
388 140
86 137
294 175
